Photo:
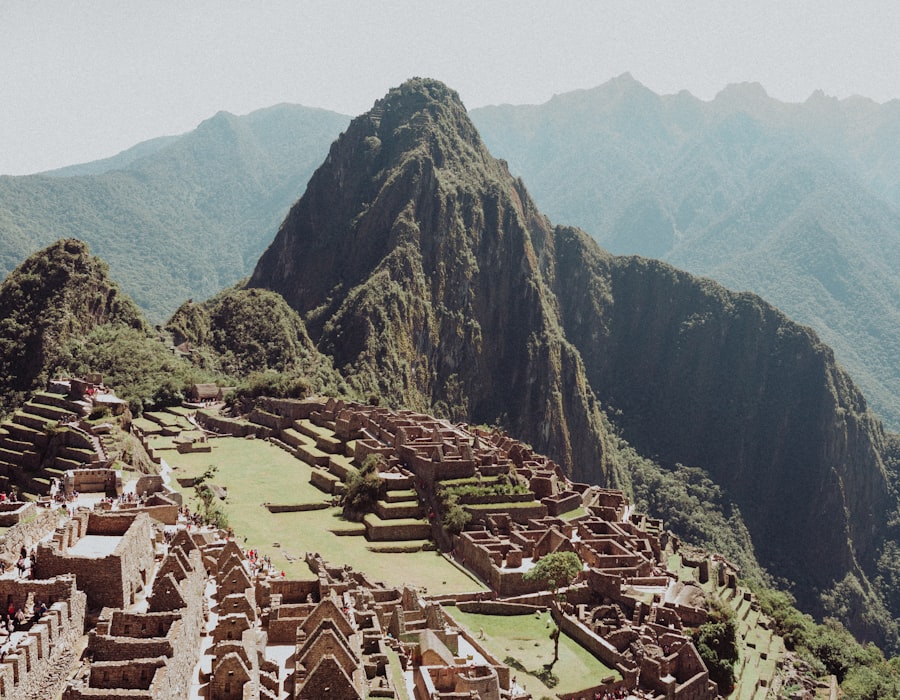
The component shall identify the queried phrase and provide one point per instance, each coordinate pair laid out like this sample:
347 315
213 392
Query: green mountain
799 203
175 217
242 332
57 294
428 275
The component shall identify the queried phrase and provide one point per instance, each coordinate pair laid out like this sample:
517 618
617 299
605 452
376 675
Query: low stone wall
323 480
229 426
498 607
270 420
401 509
594 643
295 409
519 514
192 447
13 512
296 507
380 531
494 499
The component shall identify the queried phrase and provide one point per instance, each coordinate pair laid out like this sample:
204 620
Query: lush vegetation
716 642
255 340
58 294
364 488
829 648
694 507
179 217
139 368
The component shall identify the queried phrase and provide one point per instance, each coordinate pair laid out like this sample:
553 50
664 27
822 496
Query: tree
716 642
364 487
555 570
206 499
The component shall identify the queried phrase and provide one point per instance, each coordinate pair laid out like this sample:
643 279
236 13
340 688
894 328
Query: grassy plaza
256 472
523 642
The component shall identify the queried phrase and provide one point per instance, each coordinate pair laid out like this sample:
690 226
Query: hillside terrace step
312 455
399 496
324 481
29 420
49 412
395 511
64 464
27 459
379 530
307 427
321 421
295 438
9 467
50 399
330 444
147 426
15 445
341 466
80 454
162 418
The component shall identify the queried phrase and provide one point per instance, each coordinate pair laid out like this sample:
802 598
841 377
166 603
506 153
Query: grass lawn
255 472
572 514
523 642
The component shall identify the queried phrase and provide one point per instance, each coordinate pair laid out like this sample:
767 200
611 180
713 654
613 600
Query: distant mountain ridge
428 275
799 203
175 217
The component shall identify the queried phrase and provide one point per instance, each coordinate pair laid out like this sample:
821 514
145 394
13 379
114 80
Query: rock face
425 271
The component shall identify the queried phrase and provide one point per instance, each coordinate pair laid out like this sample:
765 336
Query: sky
85 80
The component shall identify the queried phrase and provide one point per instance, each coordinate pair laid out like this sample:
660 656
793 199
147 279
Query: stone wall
109 581
13 512
107 481
594 643
34 668
27 533
295 409
228 426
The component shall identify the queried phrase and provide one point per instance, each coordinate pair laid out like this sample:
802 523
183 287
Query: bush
716 642
364 488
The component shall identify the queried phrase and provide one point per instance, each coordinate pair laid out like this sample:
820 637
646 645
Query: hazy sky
84 80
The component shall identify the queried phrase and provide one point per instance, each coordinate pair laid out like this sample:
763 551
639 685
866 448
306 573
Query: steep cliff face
703 376
419 265
428 275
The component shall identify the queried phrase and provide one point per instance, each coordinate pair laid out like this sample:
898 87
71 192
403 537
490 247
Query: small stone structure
111 554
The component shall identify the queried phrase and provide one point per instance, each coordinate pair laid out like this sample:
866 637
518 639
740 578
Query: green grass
525 639
255 472
181 410
397 678
572 514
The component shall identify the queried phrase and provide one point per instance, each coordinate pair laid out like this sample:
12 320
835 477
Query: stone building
112 556
30 668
